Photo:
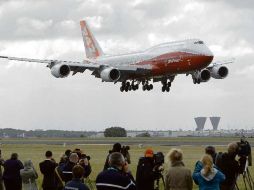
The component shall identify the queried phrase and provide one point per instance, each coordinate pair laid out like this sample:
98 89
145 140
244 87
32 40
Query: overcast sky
31 98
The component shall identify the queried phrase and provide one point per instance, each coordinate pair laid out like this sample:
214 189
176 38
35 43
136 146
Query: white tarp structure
200 121
215 122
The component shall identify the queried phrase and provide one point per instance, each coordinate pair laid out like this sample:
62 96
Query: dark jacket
47 168
113 179
211 181
87 170
145 175
67 171
11 175
12 170
75 184
106 164
227 164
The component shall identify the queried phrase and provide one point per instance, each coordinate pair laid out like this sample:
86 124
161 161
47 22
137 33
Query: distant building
200 122
215 122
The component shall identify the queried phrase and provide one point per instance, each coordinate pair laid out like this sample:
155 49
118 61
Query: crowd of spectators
213 171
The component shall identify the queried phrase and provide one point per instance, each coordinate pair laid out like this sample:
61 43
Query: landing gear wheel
151 86
163 88
144 87
167 88
121 88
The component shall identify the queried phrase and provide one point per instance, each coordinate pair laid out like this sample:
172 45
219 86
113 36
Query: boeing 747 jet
160 63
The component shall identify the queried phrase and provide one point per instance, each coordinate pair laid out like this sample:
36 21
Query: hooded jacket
29 175
207 182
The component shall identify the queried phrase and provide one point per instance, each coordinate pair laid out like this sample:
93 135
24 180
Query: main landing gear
146 86
127 86
165 86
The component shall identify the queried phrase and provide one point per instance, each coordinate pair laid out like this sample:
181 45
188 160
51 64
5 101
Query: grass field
31 149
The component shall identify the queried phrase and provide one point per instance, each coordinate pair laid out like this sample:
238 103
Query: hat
149 153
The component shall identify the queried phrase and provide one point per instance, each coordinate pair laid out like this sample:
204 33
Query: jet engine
110 74
60 70
201 76
219 72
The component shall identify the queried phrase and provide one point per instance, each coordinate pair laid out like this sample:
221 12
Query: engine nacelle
60 70
202 76
110 74
219 72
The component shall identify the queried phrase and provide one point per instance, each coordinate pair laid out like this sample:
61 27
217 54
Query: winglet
92 47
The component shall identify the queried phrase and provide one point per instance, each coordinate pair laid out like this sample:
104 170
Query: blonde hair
232 148
207 164
174 155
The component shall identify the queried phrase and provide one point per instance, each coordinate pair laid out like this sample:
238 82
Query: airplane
160 63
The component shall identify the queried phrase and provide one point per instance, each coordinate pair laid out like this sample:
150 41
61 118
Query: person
67 168
117 176
1 173
116 148
29 175
47 168
228 165
206 175
76 182
84 162
126 153
210 150
177 175
11 175
145 175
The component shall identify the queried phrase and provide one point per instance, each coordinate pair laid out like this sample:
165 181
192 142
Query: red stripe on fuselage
177 62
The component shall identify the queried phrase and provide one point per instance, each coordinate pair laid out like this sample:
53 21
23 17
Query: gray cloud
31 98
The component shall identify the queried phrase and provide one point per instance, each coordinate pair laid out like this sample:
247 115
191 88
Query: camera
244 152
125 150
125 153
84 156
244 148
158 159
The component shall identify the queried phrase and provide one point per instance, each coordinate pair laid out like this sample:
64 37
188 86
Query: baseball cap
149 153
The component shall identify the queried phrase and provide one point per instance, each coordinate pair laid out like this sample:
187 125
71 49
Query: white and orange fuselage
165 59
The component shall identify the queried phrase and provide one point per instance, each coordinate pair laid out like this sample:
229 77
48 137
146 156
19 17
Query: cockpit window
199 42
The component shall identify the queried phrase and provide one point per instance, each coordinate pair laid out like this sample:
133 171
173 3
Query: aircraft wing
213 64
76 66
85 63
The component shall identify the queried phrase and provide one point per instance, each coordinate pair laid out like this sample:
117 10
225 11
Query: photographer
117 176
116 148
228 165
84 162
126 154
147 171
